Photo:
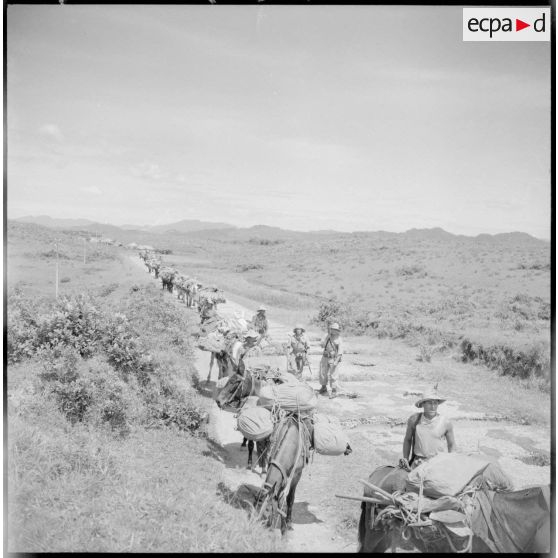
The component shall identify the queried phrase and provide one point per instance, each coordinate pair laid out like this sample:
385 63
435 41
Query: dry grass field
489 295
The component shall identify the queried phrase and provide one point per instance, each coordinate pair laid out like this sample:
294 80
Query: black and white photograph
278 278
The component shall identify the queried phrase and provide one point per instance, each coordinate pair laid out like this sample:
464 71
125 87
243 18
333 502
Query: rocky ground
386 378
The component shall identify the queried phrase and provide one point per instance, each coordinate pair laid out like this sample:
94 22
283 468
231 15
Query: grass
77 489
106 449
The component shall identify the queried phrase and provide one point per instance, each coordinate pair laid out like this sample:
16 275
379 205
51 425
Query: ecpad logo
506 24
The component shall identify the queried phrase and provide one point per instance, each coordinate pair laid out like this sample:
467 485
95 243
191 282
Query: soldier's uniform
259 322
298 348
329 365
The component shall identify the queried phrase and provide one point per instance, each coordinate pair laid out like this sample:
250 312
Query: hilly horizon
199 227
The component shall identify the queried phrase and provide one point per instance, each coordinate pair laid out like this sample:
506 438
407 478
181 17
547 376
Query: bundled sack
219 385
288 396
494 475
329 437
255 423
214 342
236 325
210 325
446 474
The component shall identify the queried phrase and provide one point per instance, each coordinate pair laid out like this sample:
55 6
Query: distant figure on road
298 349
428 433
259 321
331 359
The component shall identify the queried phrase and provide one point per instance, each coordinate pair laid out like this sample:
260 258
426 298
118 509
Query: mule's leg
244 440
287 523
268 498
211 361
263 457
250 452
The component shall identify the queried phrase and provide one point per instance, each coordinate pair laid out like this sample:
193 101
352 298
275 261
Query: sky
301 117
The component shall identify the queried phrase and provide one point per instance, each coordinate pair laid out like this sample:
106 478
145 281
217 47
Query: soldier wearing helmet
331 359
259 321
298 349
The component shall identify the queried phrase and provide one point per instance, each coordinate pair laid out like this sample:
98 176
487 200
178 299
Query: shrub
124 349
22 327
105 368
108 289
409 270
60 364
532 362
74 322
265 241
247 267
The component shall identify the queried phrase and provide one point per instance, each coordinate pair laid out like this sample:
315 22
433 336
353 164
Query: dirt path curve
386 376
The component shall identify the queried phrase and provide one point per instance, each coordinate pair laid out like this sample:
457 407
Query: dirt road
386 376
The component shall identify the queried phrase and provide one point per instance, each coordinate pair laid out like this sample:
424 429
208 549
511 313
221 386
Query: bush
169 403
533 362
106 368
247 267
73 322
22 327
108 289
265 241
410 270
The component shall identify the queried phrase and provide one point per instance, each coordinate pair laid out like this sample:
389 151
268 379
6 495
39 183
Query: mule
517 521
167 278
225 365
242 389
191 293
289 452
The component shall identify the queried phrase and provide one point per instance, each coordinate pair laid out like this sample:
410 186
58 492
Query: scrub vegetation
104 418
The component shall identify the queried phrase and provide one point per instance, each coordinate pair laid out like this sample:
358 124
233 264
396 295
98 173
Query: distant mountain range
209 229
184 226
47 221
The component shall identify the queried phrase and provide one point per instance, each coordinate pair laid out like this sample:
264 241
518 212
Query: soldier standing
332 355
298 348
259 322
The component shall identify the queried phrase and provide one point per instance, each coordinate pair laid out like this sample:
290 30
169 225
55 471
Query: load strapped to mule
450 503
218 333
212 295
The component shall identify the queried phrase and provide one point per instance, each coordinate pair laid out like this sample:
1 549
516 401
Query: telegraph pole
56 248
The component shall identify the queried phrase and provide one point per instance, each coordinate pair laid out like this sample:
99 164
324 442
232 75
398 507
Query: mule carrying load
219 333
210 294
290 406
452 503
